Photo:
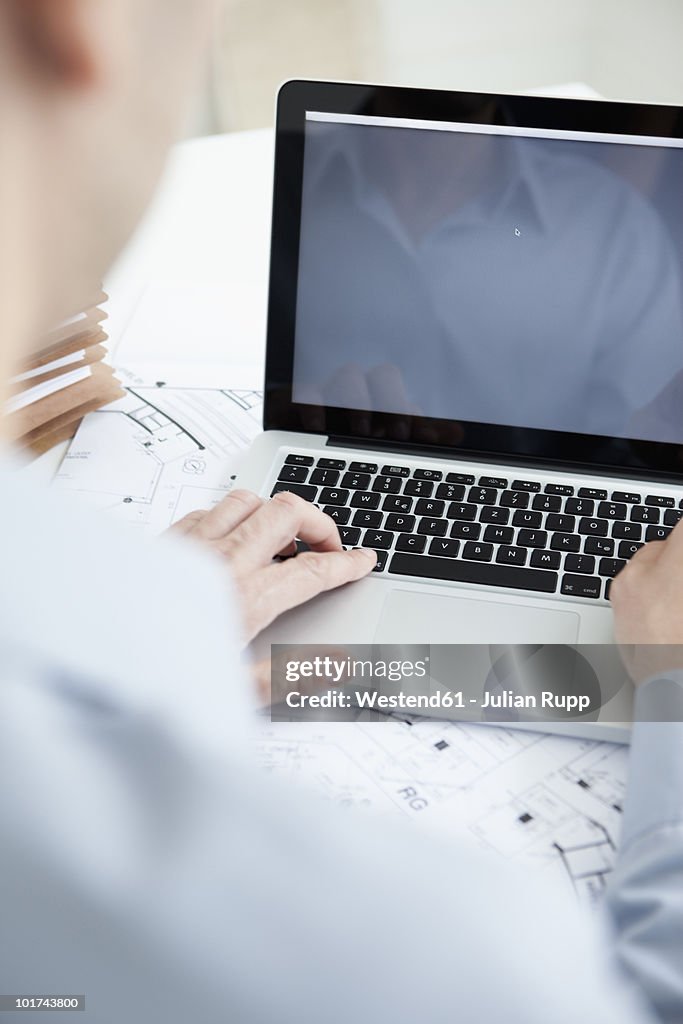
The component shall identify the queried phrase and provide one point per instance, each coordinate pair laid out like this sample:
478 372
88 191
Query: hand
380 388
647 598
249 532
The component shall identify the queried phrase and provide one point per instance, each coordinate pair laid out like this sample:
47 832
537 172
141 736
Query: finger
388 389
188 523
289 584
348 387
228 515
675 538
274 526
648 555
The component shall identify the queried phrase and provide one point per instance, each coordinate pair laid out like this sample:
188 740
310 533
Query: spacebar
487 574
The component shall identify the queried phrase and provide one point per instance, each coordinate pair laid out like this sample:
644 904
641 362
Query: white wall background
631 49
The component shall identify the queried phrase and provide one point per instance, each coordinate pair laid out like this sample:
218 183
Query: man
578 268
143 862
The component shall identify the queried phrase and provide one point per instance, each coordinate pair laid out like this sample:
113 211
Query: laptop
474 355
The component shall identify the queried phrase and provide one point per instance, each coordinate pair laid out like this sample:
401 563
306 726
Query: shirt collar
522 173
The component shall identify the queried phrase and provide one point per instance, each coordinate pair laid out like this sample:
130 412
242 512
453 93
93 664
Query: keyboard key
611 566
459 510
561 489
525 485
365 499
565 542
596 493
410 542
483 495
386 484
499 534
398 523
450 492
367 519
395 471
356 481
600 545
325 477
493 481
531 520
612 510
349 535
485 574
331 464
514 499
545 559
459 478
627 531
532 538
581 586
628 496
644 514
657 532
663 500
579 506
299 460
340 515
593 527
508 555
584 564
608 584
494 514
433 527
428 474
466 531
546 503
419 488
562 523
296 474
363 467
446 548
628 548
303 490
429 507
672 516
377 539
332 496
478 552
393 504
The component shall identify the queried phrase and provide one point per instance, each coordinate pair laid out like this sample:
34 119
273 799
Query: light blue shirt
549 298
145 863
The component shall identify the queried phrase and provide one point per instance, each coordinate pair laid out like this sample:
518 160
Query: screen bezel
421 433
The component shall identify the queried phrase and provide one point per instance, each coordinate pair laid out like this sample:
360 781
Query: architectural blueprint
547 801
161 451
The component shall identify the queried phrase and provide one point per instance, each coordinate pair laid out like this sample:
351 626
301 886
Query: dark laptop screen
498 275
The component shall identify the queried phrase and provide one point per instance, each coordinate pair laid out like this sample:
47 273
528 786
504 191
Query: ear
61 38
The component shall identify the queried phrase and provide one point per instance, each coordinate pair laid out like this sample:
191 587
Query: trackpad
413 616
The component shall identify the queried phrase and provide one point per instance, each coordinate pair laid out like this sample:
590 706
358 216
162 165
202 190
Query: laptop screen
500 275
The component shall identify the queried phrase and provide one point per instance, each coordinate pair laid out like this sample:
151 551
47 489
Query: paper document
548 801
161 452
44 390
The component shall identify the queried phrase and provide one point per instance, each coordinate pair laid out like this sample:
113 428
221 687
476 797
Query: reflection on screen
495 278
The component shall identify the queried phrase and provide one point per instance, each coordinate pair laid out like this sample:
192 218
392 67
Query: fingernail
369 553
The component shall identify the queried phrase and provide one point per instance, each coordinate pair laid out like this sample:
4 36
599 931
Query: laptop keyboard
487 530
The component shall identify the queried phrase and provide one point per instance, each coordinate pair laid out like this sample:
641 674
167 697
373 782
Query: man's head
91 94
